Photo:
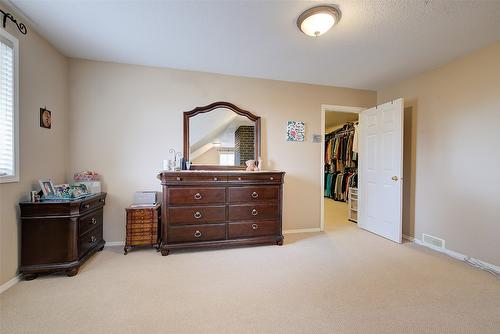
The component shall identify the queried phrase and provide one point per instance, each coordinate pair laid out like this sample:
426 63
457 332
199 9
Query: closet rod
339 132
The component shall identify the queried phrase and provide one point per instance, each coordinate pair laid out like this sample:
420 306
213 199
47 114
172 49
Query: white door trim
326 108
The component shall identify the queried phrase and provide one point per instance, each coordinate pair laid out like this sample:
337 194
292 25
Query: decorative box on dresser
60 235
142 227
218 208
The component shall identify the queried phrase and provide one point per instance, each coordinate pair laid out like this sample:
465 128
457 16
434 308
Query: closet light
317 20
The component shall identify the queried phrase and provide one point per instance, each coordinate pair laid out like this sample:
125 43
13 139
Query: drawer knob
255 226
86 206
197 215
93 221
239 179
271 178
255 195
197 234
92 239
255 212
178 179
215 179
101 200
197 196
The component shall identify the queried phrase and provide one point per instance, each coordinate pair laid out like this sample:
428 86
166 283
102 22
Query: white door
381 170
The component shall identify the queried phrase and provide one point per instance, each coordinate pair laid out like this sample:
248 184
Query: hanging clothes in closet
341 162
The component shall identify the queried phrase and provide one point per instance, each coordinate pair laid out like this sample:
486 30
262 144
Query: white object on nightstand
94 187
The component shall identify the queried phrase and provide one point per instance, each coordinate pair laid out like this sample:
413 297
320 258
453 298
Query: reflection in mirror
221 137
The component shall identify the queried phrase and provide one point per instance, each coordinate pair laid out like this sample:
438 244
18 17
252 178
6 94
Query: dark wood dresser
142 227
217 208
60 235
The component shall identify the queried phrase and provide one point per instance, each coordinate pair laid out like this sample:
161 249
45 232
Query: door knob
394 178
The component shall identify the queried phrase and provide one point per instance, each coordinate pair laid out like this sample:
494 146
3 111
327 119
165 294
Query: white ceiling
375 44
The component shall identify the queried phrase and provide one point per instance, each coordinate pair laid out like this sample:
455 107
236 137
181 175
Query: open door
380 170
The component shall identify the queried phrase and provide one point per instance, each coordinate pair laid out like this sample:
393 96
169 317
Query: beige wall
43 153
210 157
454 113
124 119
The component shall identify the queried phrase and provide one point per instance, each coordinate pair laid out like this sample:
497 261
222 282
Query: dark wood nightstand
60 235
143 224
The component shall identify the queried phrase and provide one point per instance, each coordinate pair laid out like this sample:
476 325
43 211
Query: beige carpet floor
343 281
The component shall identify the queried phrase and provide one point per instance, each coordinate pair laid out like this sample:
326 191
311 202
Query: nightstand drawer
142 230
140 214
91 204
88 222
89 240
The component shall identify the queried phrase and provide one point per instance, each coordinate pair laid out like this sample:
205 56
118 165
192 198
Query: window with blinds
9 169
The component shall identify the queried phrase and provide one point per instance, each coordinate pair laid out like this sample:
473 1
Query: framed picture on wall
45 118
295 131
48 188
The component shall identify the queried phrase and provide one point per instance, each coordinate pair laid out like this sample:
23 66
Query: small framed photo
47 187
295 131
45 118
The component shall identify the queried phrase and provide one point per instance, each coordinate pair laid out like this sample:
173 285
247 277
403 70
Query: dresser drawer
89 221
196 215
253 212
195 195
196 233
244 230
89 240
196 178
253 194
256 177
91 204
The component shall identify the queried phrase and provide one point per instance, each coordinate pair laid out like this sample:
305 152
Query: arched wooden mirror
221 136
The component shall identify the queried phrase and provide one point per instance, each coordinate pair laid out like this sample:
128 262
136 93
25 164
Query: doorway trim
324 109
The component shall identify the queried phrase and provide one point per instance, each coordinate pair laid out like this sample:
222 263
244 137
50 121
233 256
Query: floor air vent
432 241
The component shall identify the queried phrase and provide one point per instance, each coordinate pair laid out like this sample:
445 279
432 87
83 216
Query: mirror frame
208 108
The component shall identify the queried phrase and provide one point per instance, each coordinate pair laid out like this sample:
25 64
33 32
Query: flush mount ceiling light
317 20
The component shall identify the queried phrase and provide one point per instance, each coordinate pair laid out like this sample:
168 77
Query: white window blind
226 158
8 135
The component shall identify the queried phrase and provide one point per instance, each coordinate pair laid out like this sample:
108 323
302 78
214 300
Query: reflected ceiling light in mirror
318 20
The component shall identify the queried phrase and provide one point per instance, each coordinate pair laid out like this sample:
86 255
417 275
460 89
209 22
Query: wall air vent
432 241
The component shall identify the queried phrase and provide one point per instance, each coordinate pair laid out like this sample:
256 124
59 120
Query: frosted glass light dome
317 20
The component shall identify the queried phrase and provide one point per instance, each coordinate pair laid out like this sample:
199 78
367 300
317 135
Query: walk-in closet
341 148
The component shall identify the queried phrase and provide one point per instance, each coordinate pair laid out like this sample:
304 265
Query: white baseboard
10 283
114 243
459 256
303 230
